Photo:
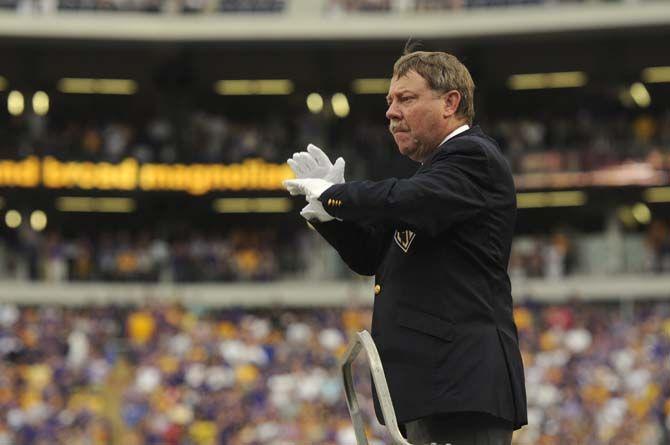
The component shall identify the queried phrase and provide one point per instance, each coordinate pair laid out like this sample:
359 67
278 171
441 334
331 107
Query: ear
452 100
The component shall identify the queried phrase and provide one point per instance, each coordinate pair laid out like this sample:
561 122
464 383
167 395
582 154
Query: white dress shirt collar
457 131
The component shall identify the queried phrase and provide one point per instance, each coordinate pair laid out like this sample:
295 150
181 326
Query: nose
392 113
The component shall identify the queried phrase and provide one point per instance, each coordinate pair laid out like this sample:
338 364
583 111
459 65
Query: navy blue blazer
438 244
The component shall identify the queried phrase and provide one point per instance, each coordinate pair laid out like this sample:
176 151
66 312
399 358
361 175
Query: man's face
416 114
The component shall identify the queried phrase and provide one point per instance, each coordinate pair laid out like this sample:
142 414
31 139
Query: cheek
419 117
412 119
424 122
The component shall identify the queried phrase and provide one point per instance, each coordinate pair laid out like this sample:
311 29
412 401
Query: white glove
314 211
315 164
312 188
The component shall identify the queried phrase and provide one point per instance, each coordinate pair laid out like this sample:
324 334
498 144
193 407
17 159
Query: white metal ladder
364 341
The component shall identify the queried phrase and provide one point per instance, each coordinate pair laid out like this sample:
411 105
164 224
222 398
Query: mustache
395 126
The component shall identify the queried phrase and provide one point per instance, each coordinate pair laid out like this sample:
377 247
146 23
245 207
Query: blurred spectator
534 257
339 6
658 239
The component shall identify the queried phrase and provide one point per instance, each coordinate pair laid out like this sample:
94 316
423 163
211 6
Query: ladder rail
363 341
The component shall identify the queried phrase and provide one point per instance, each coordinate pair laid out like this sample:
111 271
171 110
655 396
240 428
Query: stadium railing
318 293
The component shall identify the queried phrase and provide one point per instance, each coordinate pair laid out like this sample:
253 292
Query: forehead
411 81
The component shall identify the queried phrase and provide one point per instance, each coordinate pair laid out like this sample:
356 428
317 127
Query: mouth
397 131
396 128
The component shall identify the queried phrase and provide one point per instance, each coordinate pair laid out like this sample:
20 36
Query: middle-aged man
438 244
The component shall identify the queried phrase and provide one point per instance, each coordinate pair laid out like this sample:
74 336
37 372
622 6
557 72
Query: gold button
378 289
330 202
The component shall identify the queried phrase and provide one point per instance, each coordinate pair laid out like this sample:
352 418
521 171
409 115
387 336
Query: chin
410 152
404 149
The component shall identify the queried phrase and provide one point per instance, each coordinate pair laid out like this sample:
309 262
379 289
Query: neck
448 129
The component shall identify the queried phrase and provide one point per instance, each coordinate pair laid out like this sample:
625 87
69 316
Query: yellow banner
24 173
196 179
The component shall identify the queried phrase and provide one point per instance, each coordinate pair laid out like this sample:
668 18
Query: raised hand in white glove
312 188
314 211
315 164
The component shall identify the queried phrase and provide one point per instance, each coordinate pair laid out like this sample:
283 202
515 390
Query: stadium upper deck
317 19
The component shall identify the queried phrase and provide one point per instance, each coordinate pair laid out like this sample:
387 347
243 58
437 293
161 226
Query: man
438 244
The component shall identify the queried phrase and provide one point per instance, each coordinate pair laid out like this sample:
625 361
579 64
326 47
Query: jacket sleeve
361 247
449 191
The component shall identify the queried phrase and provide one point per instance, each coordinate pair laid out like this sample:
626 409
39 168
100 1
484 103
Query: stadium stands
240 255
248 254
260 6
583 142
148 6
169 374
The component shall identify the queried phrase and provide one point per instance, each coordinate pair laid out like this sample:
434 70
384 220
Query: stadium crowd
332 7
239 255
169 374
549 257
583 142
245 254
340 6
146 6
259 256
